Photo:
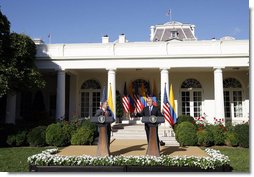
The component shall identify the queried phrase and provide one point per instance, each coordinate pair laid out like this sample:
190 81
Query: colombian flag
110 101
143 95
172 105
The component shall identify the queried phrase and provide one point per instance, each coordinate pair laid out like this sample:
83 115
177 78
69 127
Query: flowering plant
218 121
201 121
49 157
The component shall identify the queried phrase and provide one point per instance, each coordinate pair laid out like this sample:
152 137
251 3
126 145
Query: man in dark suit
105 111
148 111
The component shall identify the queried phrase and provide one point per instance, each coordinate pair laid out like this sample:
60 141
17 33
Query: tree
17 61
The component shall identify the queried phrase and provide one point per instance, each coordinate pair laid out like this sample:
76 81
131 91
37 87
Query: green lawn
15 159
239 157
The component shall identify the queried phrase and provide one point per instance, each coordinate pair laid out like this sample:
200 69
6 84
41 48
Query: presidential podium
103 144
153 146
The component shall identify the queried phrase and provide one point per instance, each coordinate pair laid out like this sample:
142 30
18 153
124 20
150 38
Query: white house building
209 77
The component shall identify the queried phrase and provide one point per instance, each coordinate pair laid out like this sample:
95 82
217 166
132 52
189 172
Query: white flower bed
50 158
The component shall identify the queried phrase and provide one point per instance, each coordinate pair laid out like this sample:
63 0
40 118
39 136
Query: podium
153 146
103 144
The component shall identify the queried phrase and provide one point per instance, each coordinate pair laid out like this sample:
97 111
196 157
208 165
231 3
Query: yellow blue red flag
110 100
172 105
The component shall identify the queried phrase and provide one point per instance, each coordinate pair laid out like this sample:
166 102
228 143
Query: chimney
38 41
152 28
122 38
105 39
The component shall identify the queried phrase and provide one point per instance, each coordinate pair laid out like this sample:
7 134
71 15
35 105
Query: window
89 98
233 98
91 84
191 97
174 34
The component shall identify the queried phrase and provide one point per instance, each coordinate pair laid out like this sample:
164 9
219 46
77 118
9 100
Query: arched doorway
89 98
233 98
191 98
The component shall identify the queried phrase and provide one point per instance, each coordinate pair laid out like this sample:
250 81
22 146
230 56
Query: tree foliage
17 61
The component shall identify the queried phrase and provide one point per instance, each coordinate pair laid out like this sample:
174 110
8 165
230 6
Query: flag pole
49 38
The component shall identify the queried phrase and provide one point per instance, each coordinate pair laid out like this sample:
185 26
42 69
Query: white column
11 109
218 94
164 80
112 82
73 97
152 32
60 95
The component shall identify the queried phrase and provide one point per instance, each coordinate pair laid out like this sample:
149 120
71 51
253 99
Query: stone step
137 131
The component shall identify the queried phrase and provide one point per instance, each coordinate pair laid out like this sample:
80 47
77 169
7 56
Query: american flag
125 100
166 109
139 106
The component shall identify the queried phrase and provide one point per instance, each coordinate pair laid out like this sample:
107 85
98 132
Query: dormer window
174 34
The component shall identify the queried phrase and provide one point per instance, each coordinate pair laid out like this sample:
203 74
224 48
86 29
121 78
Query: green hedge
231 139
18 139
218 132
242 132
37 136
186 134
83 136
56 135
205 138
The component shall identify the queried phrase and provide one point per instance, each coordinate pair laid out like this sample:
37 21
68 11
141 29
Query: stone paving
132 147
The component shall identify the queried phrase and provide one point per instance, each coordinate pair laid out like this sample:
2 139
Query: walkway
132 147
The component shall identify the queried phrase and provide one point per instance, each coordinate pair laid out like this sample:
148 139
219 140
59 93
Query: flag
155 102
131 98
110 100
104 96
125 100
138 105
155 95
166 110
168 13
143 95
172 105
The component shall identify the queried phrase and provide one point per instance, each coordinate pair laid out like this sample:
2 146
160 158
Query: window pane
185 103
237 101
197 98
227 104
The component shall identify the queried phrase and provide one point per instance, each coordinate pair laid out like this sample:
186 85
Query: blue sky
81 21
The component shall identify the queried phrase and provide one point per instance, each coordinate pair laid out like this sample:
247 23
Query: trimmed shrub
218 133
231 139
37 136
184 118
242 131
56 136
68 129
11 140
83 135
18 139
205 138
230 127
91 126
21 138
186 134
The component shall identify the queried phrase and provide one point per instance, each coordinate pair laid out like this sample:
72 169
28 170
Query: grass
239 157
14 159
